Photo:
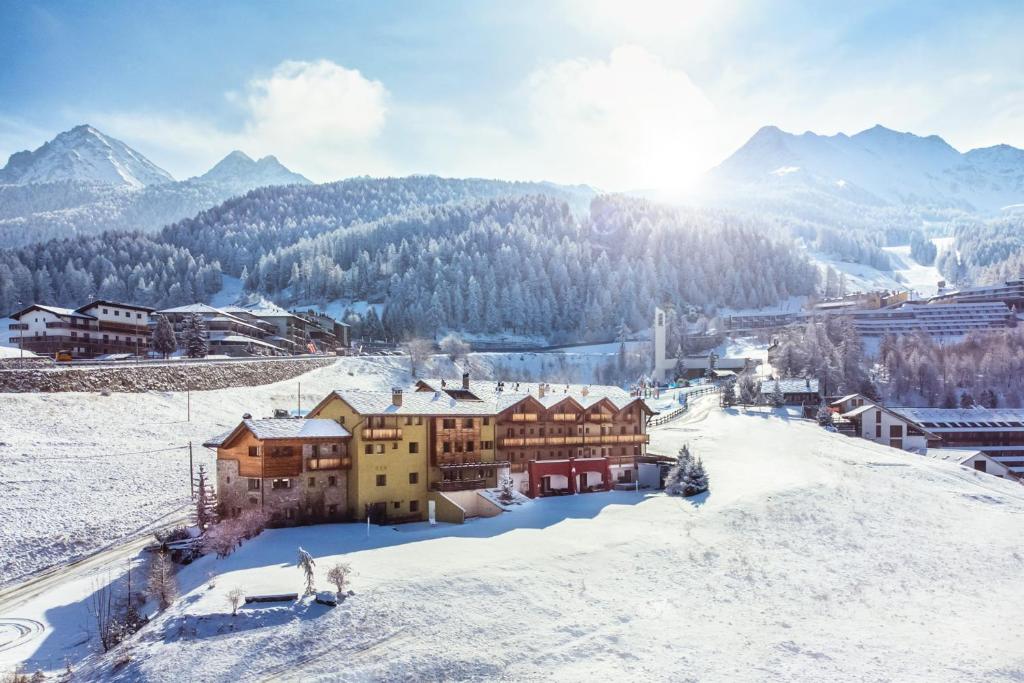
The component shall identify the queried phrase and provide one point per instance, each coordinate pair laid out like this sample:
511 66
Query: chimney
396 396
465 381
540 390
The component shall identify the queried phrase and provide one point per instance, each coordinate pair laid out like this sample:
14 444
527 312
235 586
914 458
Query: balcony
598 417
464 485
565 417
329 463
524 417
382 434
590 440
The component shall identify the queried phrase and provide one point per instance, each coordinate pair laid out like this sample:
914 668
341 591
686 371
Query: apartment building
293 470
229 334
98 328
951 319
1010 292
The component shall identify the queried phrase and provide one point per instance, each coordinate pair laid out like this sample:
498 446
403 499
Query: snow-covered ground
923 281
906 273
814 557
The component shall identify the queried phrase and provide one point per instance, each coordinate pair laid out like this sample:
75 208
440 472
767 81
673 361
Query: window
254 484
414 506
394 445
446 447
467 423
105 311
139 316
254 452
979 465
486 445
458 446
878 431
448 423
281 451
878 417
368 448
227 480
414 477
332 510
382 480
332 481
281 484
419 419
117 313
487 421
380 448
408 419
470 446
312 482
414 447
397 504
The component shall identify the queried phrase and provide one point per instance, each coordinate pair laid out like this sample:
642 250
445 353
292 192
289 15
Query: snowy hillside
814 557
83 154
874 167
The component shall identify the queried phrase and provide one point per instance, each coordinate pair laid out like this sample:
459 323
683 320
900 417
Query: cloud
319 117
630 121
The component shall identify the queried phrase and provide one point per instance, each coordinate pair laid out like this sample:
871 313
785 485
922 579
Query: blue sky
620 95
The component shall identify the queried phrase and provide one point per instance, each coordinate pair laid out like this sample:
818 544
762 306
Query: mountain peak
240 169
83 154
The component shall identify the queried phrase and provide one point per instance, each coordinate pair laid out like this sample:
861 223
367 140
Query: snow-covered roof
790 386
296 428
241 339
844 399
216 441
941 420
859 410
957 455
56 310
192 308
415 403
511 393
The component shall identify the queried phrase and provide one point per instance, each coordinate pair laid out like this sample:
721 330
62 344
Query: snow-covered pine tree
197 344
696 479
749 389
307 564
164 340
778 399
675 481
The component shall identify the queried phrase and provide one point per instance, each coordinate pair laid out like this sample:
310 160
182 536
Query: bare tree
162 585
235 599
338 575
418 350
453 346
103 610
223 538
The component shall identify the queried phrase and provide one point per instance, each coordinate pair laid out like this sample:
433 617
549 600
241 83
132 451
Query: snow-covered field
906 273
814 557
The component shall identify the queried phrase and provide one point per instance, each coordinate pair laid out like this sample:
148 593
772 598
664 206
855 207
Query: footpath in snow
814 557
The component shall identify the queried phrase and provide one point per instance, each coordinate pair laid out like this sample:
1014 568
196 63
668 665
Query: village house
96 329
795 392
292 469
872 421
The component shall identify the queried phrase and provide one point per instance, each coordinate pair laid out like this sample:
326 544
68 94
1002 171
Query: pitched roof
56 310
295 428
116 304
418 403
846 398
960 419
585 394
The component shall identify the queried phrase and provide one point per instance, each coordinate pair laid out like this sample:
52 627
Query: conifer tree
197 344
306 564
164 340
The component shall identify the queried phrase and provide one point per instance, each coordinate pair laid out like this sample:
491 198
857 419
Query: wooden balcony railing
464 485
565 417
524 417
592 439
329 463
382 434
598 417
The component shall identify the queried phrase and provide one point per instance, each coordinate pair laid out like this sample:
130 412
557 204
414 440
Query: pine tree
306 564
778 398
696 479
196 341
164 340
206 503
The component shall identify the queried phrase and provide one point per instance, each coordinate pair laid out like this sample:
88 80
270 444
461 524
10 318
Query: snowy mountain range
84 181
877 166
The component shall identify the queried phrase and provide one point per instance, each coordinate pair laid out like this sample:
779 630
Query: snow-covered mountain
83 154
84 181
238 167
876 166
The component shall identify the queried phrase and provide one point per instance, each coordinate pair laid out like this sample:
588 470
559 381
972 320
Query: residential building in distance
292 469
325 331
1010 292
997 433
96 329
229 334
947 320
795 392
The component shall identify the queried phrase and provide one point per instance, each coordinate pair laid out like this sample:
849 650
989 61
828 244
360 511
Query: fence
690 395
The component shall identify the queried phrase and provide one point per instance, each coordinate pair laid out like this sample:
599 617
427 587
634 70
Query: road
16 631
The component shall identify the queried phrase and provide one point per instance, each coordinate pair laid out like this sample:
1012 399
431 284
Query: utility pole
298 396
188 398
191 473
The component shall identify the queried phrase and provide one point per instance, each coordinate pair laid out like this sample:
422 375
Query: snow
229 294
813 557
922 280
14 352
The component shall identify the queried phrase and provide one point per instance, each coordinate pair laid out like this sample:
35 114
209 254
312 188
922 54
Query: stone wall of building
170 376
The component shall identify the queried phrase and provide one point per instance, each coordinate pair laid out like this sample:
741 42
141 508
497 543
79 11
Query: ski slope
814 557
